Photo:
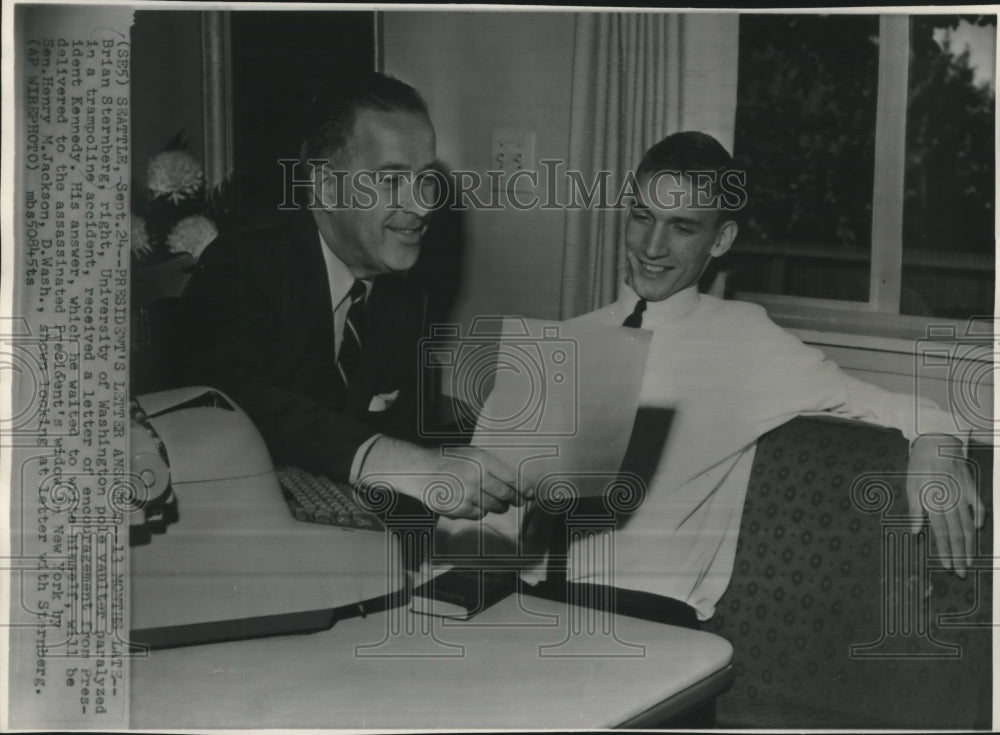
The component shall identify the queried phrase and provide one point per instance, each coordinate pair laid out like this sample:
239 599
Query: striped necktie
634 319
350 343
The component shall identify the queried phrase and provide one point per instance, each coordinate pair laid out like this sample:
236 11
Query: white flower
192 235
141 245
174 174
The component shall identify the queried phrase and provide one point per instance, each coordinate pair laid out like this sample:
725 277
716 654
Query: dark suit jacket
257 322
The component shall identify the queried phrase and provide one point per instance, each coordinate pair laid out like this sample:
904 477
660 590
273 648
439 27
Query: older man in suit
315 329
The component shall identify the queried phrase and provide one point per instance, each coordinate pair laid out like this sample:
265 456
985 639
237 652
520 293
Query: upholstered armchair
839 615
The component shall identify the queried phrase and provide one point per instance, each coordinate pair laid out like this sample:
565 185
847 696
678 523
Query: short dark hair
686 152
691 152
334 108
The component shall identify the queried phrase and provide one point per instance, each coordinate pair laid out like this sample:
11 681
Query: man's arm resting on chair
954 506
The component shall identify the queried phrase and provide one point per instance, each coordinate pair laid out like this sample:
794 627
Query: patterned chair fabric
839 616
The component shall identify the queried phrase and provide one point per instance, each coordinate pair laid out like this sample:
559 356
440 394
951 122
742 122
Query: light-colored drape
626 95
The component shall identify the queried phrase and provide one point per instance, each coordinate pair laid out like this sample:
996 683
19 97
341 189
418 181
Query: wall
480 71
710 57
166 84
963 384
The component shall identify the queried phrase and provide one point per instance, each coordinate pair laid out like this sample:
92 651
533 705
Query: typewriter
218 554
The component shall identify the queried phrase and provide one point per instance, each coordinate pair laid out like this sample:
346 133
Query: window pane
948 211
805 132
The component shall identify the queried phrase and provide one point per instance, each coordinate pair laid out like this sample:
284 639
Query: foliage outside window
807 109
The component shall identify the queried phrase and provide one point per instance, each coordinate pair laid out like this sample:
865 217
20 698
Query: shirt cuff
961 440
929 419
359 458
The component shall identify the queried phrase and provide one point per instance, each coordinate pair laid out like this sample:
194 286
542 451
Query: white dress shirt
341 280
730 375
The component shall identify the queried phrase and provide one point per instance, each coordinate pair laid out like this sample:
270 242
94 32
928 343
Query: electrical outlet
510 151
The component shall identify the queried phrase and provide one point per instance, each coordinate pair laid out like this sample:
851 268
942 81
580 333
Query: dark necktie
634 319
350 343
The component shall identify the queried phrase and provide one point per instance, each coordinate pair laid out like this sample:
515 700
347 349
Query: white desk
490 672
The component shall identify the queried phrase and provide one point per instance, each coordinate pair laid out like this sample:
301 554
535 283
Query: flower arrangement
173 213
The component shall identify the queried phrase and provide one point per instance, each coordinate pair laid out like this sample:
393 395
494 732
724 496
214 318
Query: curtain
626 95
217 95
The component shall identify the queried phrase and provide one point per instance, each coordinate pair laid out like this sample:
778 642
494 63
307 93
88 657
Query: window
948 206
869 150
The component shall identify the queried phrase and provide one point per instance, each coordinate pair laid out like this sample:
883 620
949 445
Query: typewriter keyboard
318 499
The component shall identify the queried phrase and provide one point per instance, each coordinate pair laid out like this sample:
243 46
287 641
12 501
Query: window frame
879 316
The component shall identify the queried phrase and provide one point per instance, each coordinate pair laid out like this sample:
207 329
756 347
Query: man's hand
467 482
954 520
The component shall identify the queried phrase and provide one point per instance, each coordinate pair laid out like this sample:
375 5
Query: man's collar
676 305
341 278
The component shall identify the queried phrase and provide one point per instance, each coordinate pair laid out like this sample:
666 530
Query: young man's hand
934 475
467 482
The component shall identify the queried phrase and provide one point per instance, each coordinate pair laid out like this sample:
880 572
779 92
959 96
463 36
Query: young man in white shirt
729 375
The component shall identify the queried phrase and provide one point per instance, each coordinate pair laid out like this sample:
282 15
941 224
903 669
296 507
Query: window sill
851 324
